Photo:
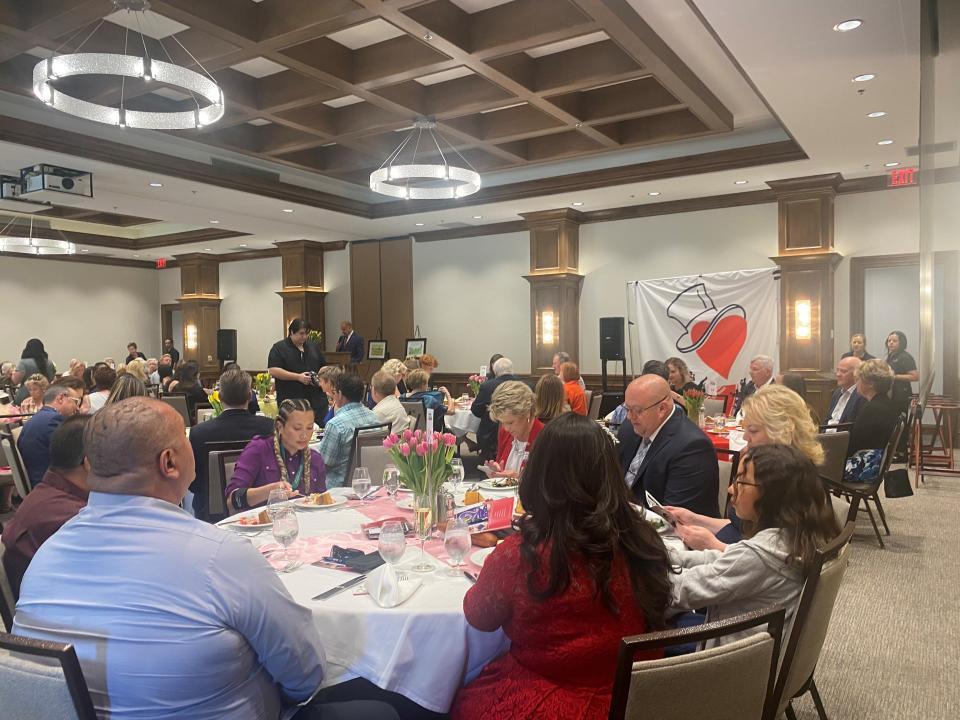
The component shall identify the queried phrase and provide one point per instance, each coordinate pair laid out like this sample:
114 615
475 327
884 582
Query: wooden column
200 304
555 284
302 285
807 261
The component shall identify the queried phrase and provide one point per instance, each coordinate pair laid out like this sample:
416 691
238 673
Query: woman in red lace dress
584 571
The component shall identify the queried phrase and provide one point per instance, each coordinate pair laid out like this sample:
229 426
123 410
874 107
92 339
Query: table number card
483 370
499 513
429 428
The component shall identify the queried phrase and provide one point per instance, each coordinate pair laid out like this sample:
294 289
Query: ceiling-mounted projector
10 197
55 184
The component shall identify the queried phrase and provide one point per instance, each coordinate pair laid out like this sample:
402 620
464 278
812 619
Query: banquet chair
216 482
810 625
7 601
734 680
8 443
178 403
204 414
713 406
42 680
221 464
593 411
368 438
588 398
728 472
417 410
835 449
856 493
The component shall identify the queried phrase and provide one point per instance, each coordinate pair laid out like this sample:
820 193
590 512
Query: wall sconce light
802 313
191 342
548 327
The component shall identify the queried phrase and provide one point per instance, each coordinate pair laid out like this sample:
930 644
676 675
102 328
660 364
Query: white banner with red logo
715 322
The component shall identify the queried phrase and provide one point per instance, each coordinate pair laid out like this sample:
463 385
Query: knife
470 576
340 588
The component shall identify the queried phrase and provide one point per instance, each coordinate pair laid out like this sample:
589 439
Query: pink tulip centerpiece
422 458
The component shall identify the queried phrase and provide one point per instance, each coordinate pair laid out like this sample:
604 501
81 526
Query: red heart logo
724 344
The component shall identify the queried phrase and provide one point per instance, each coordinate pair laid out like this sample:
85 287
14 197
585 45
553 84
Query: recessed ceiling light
136 256
866 77
206 249
577 204
478 217
288 210
419 224
84 250
653 193
243 244
848 25
739 182
214 222
156 184
891 164
884 142
428 37
876 114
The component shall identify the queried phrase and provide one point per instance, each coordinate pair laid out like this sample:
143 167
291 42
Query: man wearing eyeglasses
62 399
662 452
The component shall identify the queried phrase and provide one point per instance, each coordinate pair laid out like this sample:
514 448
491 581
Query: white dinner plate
488 485
405 503
480 556
302 504
252 528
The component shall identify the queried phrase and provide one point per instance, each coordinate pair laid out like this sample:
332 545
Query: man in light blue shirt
170 617
337 443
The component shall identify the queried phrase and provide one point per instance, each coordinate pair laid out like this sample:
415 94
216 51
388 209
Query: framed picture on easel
416 347
377 350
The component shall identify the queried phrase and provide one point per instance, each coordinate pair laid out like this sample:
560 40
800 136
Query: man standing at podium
293 363
350 342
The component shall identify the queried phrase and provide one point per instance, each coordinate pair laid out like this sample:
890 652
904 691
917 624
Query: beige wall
252 307
78 309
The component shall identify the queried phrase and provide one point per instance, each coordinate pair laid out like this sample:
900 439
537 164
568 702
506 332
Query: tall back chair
8 442
42 680
734 680
7 601
593 409
810 624
417 410
713 406
220 465
178 403
835 446
729 462
588 398
368 437
216 482
203 414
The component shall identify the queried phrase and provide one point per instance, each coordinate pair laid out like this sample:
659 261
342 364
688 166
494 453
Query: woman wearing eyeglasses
786 515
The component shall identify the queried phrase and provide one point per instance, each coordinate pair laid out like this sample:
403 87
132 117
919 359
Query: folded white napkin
390 589
735 438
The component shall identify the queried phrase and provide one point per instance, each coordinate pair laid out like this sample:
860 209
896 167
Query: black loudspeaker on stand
226 346
612 348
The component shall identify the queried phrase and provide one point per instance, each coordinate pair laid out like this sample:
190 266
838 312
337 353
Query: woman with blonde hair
137 368
126 386
680 377
550 400
398 370
512 406
773 414
36 385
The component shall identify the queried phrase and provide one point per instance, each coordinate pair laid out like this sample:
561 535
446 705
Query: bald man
845 403
170 616
662 452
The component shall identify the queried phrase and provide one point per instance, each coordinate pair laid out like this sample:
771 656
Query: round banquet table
409 649
461 422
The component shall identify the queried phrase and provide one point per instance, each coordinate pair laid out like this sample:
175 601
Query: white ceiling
788 51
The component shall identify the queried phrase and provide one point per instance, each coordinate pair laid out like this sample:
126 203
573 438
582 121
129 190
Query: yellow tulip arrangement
215 402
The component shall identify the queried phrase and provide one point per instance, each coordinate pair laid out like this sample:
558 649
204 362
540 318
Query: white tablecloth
423 649
461 422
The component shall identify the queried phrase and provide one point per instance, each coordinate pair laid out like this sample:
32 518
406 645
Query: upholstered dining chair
366 440
178 403
734 680
417 410
216 480
8 443
713 406
7 602
42 680
810 625
834 446
593 409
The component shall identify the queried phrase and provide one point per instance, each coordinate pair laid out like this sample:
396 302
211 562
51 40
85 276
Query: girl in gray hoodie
786 514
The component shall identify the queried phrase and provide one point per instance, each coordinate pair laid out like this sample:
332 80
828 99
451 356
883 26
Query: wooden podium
338 358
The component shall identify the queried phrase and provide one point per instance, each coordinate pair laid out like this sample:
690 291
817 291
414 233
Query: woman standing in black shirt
293 362
858 348
904 370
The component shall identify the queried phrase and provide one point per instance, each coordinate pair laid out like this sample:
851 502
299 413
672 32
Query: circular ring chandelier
125 66
36 246
420 180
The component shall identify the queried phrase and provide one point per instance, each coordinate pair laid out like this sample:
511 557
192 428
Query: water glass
286 529
391 479
457 476
456 543
392 543
361 481
275 501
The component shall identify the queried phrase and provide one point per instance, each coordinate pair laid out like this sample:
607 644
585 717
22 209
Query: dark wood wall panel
365 296
396 288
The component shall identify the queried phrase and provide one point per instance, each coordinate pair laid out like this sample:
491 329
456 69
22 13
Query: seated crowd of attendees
581 570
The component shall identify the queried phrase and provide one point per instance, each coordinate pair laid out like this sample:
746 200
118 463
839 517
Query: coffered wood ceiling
325 86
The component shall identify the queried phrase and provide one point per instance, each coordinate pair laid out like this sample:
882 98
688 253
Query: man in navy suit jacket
662 452
846 402
350 342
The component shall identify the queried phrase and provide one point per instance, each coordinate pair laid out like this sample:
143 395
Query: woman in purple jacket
283 460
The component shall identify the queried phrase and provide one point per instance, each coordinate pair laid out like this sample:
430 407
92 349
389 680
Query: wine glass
391 480
275 501
361 482
423 510
392 543
286 529
456 543
457 475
